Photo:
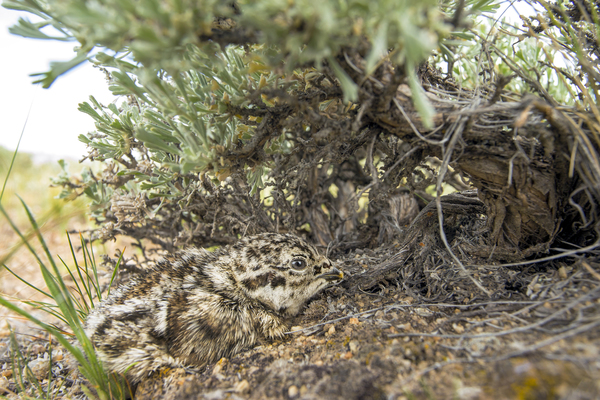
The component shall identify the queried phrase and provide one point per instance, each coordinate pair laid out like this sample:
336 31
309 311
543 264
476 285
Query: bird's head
281 271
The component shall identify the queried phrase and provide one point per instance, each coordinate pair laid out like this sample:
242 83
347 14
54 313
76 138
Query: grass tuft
71 306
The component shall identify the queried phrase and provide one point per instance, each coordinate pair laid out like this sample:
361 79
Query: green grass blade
94 270
77 288
114 274
85 271
60 293
78 269
89 264
12 161
47 308
38 234
16 359
88 290
11 252
24 240
89 365
68 309
50 381
27 283
93 281
83 305
61 339
56 285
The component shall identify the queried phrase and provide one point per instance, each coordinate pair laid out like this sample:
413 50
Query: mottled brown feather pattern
195 307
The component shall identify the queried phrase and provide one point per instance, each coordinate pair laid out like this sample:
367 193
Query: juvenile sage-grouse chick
195 307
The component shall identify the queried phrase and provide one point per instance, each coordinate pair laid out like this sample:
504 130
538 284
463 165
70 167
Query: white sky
54 122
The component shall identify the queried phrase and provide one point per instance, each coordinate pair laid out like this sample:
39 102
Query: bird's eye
298 264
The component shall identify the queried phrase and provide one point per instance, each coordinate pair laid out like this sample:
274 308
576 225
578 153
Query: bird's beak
333 275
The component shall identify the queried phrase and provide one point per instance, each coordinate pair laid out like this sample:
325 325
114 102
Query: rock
296 329
458 328
40 368
423 312
562 273
37 349
468 393
293 391
242 387
57 356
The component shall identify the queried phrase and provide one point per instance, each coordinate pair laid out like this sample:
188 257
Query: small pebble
39 368
458 328
353 321
217 369
296 328
219 376
404 327
353 346
242 387
38 349
562 273
293 391
423 312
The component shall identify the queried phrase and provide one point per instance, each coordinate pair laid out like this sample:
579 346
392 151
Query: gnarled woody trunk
517 154
520 197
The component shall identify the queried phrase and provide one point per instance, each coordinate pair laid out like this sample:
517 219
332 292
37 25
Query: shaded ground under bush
408 321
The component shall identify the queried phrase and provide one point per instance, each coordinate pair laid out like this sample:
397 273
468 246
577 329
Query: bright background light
54 121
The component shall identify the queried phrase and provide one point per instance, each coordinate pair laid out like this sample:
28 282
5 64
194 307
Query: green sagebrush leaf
57 69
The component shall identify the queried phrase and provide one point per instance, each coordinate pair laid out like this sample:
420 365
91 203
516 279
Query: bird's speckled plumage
195 307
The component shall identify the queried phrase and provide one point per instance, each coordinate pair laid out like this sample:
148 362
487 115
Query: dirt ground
387 344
